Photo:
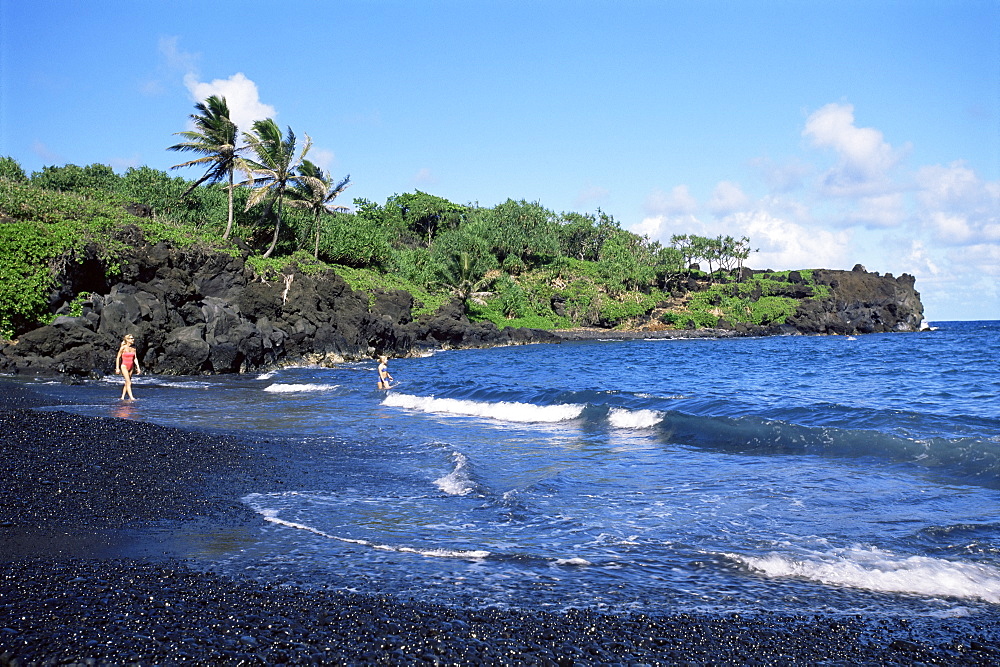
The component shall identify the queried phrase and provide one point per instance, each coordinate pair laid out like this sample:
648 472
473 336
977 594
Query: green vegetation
515 264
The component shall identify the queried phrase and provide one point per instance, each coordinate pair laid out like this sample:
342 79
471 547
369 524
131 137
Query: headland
198 311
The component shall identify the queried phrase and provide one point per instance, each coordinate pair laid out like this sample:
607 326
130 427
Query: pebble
61 603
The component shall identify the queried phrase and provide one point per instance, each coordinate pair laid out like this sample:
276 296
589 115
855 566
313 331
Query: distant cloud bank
938 222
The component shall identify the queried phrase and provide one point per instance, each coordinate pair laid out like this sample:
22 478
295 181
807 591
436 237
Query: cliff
197 311
860 302
856 302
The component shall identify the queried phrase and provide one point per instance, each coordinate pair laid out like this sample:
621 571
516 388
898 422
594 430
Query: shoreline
99 513
593 333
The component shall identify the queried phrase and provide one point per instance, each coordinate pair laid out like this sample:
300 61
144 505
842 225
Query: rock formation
860 302
196 311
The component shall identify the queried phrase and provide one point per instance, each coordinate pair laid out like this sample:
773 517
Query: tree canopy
525 262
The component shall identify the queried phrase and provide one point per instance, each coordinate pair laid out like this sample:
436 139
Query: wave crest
501 411
622 418
283 388
459 481
877 570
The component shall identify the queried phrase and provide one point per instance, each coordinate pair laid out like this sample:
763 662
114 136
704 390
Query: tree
215 138
461 274
10 170
582 236
626 262
72 178
669 265
425 215
521 234
315 191
734 253
685 245
709 250
273 170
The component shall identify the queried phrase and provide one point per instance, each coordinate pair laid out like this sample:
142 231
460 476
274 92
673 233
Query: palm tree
273 170
459 275
215 138
315 191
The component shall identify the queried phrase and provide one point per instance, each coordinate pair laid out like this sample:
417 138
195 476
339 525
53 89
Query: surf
883 571
499 411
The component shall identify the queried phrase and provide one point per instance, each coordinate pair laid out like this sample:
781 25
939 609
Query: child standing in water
125 362
383 373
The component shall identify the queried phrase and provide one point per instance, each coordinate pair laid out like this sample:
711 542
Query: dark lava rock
195 311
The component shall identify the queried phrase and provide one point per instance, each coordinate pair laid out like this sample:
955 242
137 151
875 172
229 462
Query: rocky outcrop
198 311
840 303
860 302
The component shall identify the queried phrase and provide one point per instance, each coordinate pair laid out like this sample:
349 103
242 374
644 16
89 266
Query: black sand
95 513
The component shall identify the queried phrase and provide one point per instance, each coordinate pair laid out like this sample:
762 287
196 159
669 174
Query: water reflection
124 410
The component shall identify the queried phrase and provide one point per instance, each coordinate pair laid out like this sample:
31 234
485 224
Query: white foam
578 562
877 570
502 411
458 482
271 515
282 388
622 418
114 378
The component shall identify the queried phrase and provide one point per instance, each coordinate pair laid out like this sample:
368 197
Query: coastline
594 333
101 512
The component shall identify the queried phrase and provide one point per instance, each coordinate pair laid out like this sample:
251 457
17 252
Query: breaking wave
883 571
501 411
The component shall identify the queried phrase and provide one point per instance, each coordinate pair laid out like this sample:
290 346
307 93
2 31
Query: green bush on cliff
522 264
757 300
42 230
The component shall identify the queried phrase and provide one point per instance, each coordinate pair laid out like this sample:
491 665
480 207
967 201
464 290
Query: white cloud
860 203
784 244
985 259
177 60
590 194
957 205
678 202
785 177
322 158
880 211
661 227
123 163
727 198
865 156
919 260
241 95
47 155
240 92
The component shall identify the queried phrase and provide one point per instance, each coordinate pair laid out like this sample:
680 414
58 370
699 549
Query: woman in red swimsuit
125 362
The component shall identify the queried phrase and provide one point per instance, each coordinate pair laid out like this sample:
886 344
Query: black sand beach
97 515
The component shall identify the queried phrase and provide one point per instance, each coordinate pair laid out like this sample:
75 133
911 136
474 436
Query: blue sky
830 133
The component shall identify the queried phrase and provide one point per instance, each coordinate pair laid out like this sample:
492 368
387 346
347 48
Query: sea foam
883 571
459 481
282 388
502 411
271 516
622 418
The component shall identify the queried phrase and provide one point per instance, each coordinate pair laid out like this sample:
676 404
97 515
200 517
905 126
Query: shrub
10 170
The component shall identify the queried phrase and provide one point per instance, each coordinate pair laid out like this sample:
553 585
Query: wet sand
98 514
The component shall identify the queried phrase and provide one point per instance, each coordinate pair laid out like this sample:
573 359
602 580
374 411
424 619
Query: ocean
832 474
